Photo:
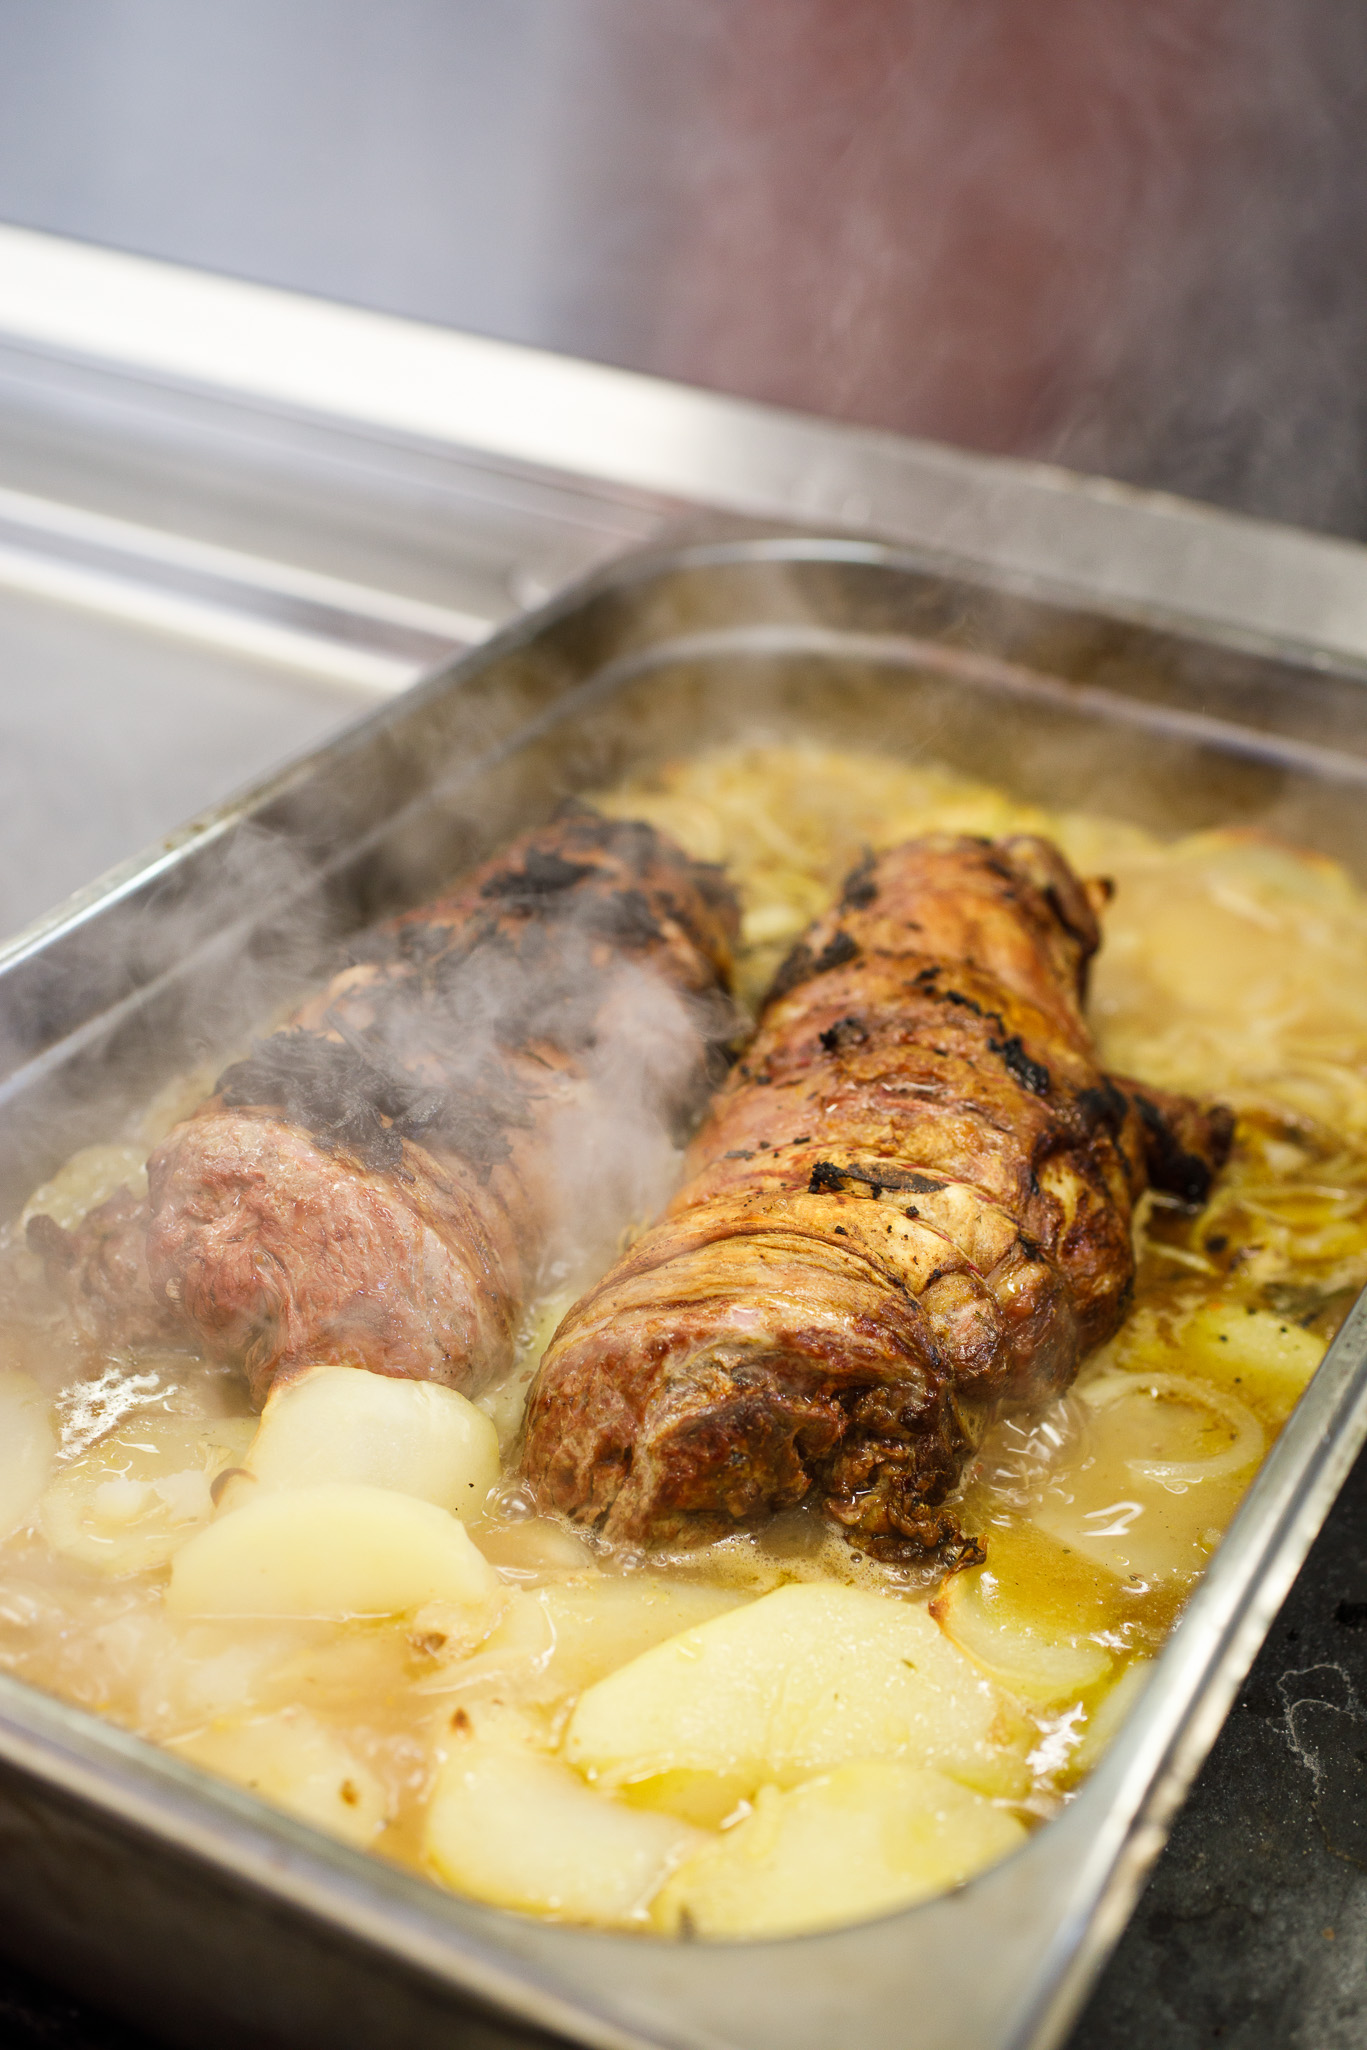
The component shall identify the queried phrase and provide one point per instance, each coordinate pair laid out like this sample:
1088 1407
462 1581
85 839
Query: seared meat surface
377 1183
909 1210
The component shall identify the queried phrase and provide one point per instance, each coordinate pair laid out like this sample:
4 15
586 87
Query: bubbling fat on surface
348 1603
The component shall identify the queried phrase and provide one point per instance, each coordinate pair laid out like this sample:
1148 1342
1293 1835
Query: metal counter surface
1251 1932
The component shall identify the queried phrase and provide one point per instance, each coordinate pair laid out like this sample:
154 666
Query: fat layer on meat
376 1182
909 1210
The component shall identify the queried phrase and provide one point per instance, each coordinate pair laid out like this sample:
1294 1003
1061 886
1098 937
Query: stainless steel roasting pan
208 1918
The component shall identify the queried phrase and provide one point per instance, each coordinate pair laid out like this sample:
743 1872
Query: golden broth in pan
346 1605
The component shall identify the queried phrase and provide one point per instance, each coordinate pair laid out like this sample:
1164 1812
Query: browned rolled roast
909 1210
380 1181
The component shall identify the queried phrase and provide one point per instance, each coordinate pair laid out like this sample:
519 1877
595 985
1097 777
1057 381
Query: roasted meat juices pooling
909 1210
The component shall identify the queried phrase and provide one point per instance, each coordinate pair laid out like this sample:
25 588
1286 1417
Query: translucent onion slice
1244 1449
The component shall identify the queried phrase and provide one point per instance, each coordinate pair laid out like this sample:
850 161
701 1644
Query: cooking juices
352 1607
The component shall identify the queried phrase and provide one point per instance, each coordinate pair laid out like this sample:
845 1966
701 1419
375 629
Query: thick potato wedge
297 1761
519 1829
330 1552
1266 1361
345 1424
805 1679
856 1842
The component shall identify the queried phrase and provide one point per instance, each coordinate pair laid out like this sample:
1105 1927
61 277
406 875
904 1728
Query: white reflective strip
399 374
257 572
214 626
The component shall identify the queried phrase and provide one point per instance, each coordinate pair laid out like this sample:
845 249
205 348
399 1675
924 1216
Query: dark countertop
1252 1933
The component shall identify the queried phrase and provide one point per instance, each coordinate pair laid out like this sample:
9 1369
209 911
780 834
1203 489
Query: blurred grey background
1126 235
1129 238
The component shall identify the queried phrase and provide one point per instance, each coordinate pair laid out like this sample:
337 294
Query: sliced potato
330 1552
296 1761
1263 1359
85 1181
28 1444
709 1800
861 1841
570 1635
513 1827
807 1678
345 1424
128 1503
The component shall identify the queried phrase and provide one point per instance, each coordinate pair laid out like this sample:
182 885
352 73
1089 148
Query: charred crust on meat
827 1179
860 890
845 1032
624 917
542 874
1173 1167
353 1098
801 965
1104 1106
837 951
1031 1074
796 968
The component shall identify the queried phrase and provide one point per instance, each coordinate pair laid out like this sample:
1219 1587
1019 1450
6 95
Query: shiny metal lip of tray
207 1917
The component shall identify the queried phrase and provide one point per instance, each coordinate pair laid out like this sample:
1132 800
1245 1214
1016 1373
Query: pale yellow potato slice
1261 1358
570 1635
521 1830
88 1179
805 1679
861 1841
127 1504
330 1552
27 1446
345 1424
296 1761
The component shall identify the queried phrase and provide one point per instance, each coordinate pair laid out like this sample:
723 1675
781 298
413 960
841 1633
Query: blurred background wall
1128 237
